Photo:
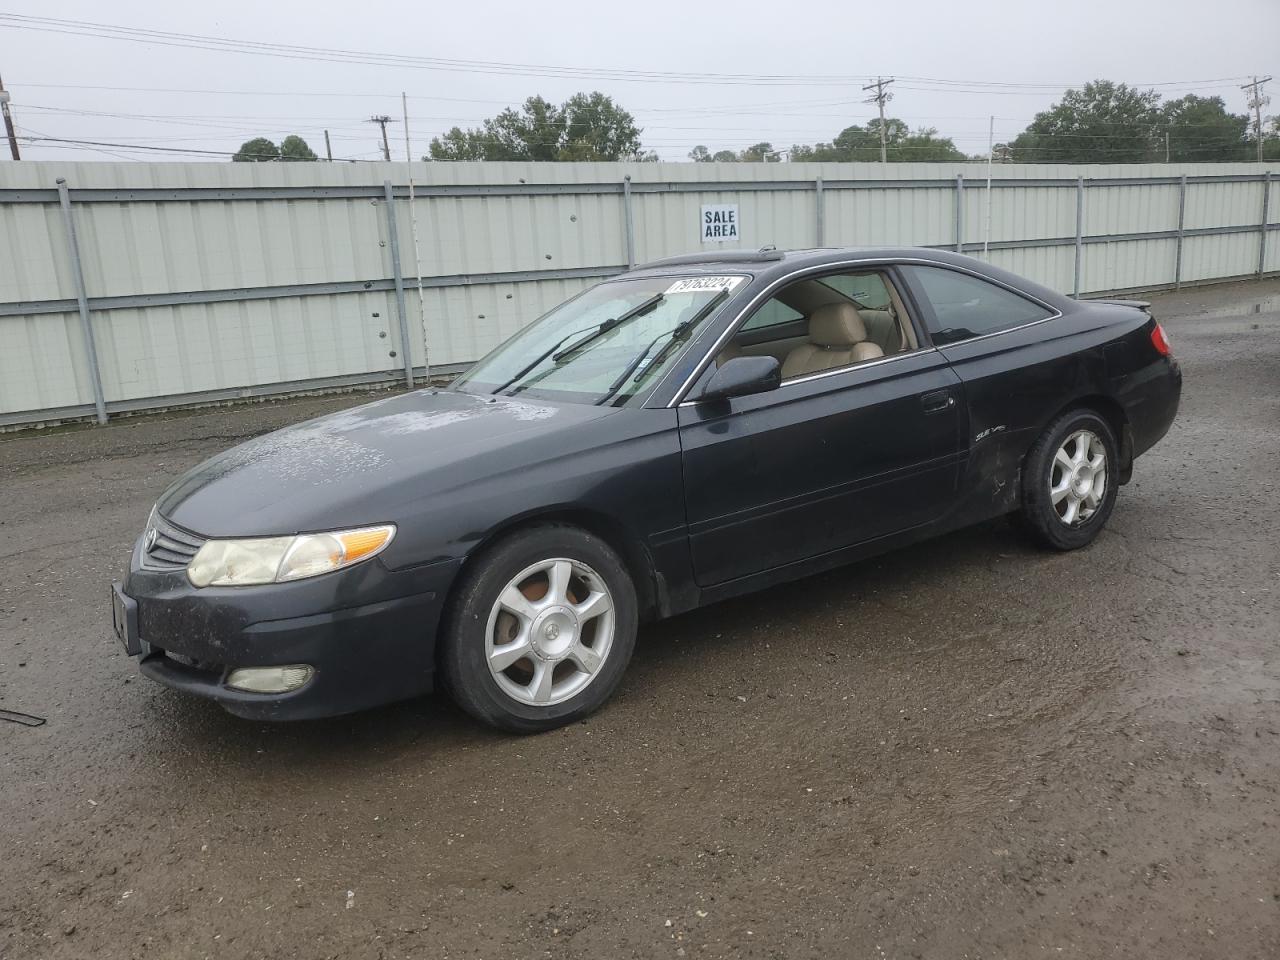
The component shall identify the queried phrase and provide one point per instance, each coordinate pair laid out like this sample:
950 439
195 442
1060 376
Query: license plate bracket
124 617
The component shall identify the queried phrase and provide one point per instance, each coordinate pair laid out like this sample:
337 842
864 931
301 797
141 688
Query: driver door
824 462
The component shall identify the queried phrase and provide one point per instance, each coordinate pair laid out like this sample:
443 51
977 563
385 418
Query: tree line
1103 122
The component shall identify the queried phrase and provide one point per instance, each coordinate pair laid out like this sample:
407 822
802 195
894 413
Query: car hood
364 465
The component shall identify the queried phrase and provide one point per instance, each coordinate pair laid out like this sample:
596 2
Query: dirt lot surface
970 748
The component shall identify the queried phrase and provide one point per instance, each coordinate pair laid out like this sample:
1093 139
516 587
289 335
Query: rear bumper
1151 403
368 633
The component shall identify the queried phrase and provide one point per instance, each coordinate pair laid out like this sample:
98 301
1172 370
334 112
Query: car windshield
606 345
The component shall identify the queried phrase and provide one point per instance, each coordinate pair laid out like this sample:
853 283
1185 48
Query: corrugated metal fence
137 286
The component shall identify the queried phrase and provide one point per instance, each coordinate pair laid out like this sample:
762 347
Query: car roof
769 264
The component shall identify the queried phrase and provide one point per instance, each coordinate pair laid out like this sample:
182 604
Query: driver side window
826 322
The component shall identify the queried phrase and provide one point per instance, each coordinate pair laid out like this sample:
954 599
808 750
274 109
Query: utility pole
880 97
1256 100
8 122
991 150
382 120
328 149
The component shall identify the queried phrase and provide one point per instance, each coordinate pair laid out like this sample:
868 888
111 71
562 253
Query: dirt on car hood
356 466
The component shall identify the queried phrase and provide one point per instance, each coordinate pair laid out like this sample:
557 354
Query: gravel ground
969 748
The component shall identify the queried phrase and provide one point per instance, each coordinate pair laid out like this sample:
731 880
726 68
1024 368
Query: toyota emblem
149 541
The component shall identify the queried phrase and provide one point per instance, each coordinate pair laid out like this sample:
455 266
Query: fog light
270 679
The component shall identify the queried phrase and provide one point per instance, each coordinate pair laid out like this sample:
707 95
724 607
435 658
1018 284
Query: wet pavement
969 748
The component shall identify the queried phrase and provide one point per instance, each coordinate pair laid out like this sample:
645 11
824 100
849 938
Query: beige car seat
837 338
731 351
882 330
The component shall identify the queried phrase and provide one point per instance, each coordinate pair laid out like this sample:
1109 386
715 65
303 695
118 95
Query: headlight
242 563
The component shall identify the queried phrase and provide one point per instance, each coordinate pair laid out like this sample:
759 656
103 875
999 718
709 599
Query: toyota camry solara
691 430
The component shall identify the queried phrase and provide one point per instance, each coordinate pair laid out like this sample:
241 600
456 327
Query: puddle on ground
1264 305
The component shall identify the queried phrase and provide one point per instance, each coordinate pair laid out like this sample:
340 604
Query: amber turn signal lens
242 563
361 543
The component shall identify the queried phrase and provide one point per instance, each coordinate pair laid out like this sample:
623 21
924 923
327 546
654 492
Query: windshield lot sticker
698 284
719 222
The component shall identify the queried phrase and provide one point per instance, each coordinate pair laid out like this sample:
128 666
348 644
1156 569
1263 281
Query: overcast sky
60 82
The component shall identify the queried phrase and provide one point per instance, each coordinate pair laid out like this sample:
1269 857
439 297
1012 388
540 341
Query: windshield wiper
610 324
592 333
678 334
540 357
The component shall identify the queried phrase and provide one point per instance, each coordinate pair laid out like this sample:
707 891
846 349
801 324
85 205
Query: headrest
836 325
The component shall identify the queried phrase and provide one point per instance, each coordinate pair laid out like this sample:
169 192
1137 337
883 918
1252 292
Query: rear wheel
540 630
1069 481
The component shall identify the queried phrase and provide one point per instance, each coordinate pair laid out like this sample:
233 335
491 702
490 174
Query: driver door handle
937 401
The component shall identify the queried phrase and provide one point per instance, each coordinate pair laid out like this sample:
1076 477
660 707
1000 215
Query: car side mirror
742 376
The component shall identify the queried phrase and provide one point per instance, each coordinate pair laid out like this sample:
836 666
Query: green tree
536 132
852 143
757 153
1270 139
293 147
1105 122
925 146
700 154
1201 129
459 144
857 143
257 150
596 128
724 156
587 126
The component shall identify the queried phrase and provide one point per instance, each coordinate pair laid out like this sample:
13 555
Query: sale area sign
719 222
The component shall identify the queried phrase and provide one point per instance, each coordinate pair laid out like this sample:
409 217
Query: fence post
1079 264
1182 219
821 215
959 213
401 312
1266 215
82 299
628 223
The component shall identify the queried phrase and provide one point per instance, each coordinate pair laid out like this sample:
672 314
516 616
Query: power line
186 150
325 54
1045 83
331 54
331 122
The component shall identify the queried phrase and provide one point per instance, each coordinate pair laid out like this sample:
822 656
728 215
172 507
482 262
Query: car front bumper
367 632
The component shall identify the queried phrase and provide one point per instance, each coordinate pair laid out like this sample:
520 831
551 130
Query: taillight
1160 341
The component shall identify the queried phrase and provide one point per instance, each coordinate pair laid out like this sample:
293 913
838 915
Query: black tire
463 662
1039 517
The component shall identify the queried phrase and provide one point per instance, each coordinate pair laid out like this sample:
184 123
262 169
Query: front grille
173 548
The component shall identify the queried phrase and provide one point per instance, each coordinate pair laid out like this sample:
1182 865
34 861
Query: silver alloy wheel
549 632
1078 477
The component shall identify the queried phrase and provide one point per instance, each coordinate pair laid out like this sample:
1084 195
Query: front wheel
1069 481
540 630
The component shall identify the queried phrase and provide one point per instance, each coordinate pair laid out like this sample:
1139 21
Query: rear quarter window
965 306
771 314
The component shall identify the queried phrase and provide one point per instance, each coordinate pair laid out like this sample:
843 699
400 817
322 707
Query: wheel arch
1110 410
626 543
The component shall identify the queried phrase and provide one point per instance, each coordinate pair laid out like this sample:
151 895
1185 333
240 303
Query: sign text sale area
719 222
